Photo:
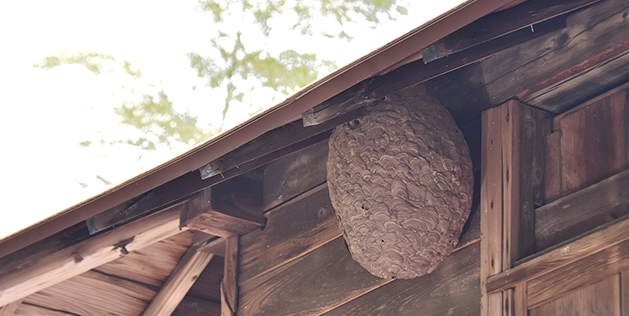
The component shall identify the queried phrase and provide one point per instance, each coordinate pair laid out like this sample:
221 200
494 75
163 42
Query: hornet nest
400 181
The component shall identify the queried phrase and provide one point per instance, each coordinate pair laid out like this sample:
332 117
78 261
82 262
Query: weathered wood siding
299 264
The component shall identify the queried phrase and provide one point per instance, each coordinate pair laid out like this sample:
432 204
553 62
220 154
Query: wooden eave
545 54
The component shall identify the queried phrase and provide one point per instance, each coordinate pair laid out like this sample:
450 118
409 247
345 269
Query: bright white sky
47 113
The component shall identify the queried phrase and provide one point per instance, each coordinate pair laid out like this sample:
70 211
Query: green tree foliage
230 62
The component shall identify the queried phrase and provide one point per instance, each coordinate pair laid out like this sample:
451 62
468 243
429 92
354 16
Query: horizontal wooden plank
313 284
30 310
269 142
499 24
579 274
150 265
589 33
294 174
602 298
582 210
51 269
292 230
94 293
328 275
417 72
561 255
452 289
577 84
182 188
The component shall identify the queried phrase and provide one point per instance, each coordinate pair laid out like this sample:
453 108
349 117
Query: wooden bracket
179 282
228 208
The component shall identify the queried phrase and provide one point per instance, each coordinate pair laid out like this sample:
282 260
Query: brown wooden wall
581 233
299 265
588 144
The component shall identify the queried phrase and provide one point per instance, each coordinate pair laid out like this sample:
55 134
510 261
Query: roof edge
321 90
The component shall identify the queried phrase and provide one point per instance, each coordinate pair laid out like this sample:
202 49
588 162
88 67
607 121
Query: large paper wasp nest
400 181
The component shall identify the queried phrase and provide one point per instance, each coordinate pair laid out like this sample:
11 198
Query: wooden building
243 224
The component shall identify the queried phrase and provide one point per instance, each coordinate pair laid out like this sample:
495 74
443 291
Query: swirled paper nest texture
401 182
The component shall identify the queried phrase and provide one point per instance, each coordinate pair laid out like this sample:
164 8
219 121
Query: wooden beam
372 90
582 211
500 24
270 142
179 282
491 208
592 36
215 246
452 289
331 278
513 137
561 255
9 309
578 274
229 208
182 188
71 261
229 286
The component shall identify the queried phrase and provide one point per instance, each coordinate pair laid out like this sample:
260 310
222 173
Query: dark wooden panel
313 284
601 298
229 208
525 186
583 210
552 176
579 274
517 71
270 142
499 24
452 289
295 174
208 285
592 142
371 91
574 86
292 230
589 33
191 306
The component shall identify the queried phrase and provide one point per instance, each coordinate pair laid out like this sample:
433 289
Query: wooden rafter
40 273
8 309
179 282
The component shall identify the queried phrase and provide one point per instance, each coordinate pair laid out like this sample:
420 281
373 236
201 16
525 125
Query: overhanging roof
396 53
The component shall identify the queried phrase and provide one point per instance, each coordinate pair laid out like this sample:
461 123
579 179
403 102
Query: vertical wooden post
513 136
229 286
491 207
